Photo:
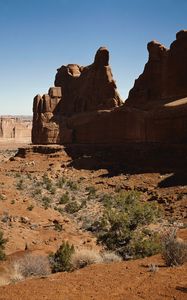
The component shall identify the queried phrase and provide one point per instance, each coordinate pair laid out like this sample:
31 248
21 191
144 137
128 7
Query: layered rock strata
87 109
78 90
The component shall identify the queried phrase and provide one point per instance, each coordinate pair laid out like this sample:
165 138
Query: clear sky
38 36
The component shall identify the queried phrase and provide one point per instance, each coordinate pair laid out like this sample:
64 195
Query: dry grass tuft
85 257
109 257
32 265
174 250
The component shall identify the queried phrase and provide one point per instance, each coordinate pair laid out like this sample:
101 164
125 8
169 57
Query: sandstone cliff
78 90
85 108
164 78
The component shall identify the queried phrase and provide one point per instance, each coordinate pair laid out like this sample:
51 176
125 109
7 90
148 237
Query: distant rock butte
85 107
15 129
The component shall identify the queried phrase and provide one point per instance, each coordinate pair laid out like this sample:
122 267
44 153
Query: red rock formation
78 89
88 88
89 110
164 77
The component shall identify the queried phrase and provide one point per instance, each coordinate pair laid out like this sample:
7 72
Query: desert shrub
58 226
46 202
32 265
59 209
109 257
106 200
72 185
47 182
143 244
2 246
36 191
92 191
30 207
83 204
60 261
52 190
85 257
174 252
60 182
20 185
122 219
15 275
72 207
64 198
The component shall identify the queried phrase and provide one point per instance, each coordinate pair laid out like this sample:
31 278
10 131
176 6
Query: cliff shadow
133 159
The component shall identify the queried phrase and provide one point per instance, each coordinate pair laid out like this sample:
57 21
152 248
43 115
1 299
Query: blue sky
38 36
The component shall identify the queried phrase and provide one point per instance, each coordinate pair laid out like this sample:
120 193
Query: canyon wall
85 108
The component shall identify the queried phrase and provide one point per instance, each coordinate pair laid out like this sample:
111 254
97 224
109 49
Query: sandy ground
125 280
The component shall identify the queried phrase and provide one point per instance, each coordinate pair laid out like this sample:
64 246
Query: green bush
46 202
20 185
122 226
72 207
72 185
64 198
60 182
60 261
2 246
142 244
47 182
36 191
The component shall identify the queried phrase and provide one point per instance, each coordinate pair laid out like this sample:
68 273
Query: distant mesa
84 107
15 129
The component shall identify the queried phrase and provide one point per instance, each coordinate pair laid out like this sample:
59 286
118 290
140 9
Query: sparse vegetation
92 191
60 182
64 198
58 227
20 185
36 191
122 227
72 207
30 207
60 261
72 185
109 257
84 257
2 246
46 202
33 265
174 251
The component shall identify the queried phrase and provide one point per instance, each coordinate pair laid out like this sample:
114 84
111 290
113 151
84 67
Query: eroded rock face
164 78
85 108
78 90
88 88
